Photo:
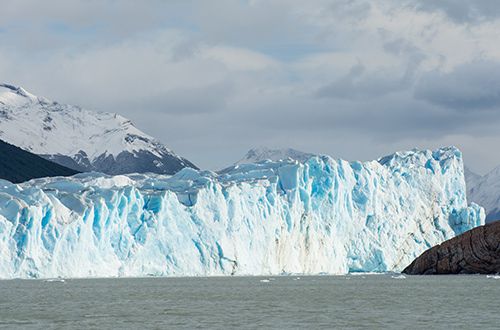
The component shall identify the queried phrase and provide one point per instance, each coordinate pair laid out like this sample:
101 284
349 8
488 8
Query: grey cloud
402 47
348 9
240 22
190 101
387 117
469 87
360 85
80 24
340 23
80 14
463 11
412 54
185 49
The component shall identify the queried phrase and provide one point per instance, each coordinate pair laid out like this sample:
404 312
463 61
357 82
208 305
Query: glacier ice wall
324 216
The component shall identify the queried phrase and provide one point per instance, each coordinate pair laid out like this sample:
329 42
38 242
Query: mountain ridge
485 191
81 139
259 154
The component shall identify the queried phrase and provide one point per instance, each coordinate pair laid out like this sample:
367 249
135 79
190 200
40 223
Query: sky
352 79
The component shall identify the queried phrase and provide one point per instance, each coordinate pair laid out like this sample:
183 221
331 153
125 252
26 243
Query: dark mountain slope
17 165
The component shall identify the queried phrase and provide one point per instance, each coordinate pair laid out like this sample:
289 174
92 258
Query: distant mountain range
485 191
80 139
17 165
256 155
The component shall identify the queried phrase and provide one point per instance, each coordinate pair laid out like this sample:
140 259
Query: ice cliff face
81 139
324 216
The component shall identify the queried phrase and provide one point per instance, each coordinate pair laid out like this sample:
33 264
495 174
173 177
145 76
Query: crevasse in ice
324 216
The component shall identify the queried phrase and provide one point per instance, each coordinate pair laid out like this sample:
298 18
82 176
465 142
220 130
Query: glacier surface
323 216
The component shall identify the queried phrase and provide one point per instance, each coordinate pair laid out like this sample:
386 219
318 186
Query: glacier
324 216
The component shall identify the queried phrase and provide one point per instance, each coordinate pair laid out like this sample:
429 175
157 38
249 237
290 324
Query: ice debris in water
323 217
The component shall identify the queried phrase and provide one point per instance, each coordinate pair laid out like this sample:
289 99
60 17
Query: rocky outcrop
476 251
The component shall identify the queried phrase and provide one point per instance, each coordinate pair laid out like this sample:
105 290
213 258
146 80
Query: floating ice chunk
55 281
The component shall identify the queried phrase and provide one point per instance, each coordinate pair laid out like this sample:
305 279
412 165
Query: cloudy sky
353 79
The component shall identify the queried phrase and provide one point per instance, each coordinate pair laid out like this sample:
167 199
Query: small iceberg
55 280
495 277
265 281
400 276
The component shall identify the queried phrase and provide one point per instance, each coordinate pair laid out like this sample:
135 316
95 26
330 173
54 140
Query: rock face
476 251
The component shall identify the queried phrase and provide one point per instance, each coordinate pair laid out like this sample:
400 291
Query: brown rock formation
476 251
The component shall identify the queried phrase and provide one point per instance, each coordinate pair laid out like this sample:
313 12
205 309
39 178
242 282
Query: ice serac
324 216
81 139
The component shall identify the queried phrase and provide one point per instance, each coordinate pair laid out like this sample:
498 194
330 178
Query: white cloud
240 59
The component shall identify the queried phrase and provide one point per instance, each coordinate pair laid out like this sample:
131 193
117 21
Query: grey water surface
281 302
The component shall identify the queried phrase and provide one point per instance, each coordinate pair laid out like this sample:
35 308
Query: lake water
282 302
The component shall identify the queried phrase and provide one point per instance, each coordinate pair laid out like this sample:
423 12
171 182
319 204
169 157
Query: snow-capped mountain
471 179
485 191
256 155
81 139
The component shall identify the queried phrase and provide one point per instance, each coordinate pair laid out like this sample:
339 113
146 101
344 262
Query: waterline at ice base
325 216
